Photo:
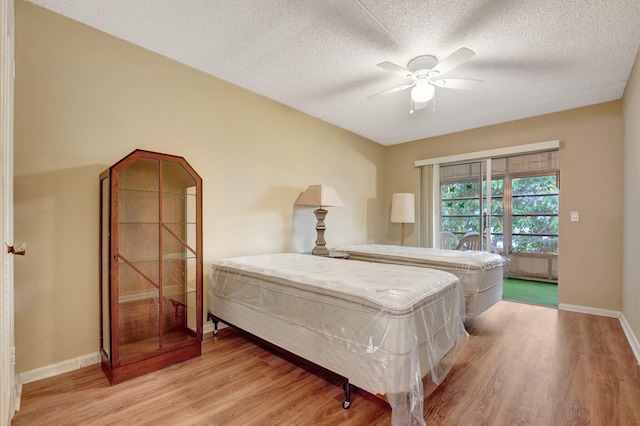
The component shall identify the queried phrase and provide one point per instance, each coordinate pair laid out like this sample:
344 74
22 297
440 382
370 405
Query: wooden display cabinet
150 264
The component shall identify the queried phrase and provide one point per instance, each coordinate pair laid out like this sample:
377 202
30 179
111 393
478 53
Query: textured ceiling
320 56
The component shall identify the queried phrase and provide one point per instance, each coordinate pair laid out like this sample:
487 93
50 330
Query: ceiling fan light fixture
423 91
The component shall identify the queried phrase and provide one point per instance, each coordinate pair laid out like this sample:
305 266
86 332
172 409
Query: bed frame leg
215 322
347 395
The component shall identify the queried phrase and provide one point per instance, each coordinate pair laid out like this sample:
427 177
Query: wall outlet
575 217
87 360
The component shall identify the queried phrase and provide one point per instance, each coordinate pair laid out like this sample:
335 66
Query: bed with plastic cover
480 273
386 329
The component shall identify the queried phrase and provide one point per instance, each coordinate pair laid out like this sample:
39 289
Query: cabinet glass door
178 254
138 261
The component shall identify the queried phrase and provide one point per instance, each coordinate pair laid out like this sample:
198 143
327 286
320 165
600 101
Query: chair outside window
470 241
448 240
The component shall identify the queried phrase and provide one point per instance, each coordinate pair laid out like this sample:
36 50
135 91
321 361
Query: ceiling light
423 91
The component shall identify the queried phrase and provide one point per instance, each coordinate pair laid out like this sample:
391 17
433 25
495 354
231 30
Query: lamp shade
403 208
320 196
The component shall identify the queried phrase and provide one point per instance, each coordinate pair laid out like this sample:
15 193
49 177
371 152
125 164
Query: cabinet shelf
151 264
131 222
154 259
154 192
151 344
168 291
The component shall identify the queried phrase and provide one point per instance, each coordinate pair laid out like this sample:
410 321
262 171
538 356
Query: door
513 202
468 198
531 233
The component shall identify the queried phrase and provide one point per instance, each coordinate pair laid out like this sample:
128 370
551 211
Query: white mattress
480 272
381 326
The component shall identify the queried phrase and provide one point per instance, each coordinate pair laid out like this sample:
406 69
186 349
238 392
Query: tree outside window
532 209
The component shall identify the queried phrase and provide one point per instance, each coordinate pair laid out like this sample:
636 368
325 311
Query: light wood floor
523 364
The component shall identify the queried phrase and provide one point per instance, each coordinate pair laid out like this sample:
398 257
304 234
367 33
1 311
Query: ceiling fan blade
458 83
388 66
450 62
395 89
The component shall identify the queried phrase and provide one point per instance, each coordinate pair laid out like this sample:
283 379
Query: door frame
8 391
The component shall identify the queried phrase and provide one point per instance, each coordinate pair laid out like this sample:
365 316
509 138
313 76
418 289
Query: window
524 202
534 214
462 203
460 209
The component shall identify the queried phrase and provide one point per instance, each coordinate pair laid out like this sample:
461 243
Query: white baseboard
16 407
59 368
208 328
589 310
76 363
631 337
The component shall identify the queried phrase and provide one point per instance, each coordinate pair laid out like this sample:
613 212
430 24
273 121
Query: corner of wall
631 207
631 337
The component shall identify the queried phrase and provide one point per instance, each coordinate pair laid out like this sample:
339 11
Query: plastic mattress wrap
480 272
383 327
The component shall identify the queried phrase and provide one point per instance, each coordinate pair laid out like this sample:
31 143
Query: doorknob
18 249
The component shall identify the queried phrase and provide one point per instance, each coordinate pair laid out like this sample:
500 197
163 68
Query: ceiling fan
425 72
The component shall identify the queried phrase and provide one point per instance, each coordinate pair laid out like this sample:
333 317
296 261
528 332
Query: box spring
480 273
378 325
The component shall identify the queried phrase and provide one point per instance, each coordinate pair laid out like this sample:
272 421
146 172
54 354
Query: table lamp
320 196
403 210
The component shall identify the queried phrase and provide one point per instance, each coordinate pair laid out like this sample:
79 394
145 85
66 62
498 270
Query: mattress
384 327
480 272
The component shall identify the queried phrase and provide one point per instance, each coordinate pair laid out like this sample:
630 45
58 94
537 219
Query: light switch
574 217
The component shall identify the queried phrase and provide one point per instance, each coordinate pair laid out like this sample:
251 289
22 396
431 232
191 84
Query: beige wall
631 274
590 264
84 100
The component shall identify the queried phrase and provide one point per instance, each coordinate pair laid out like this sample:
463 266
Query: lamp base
320 249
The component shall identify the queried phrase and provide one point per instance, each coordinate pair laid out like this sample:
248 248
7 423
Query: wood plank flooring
523 364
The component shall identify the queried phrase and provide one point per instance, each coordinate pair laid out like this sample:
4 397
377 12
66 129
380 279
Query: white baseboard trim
208 328
589 310
631 337
76 363
18 394
59 368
